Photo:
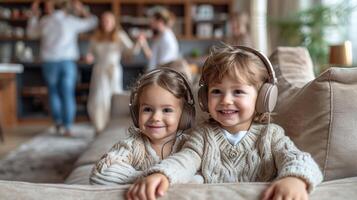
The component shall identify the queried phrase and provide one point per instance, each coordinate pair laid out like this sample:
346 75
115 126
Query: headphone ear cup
267 97
134 115
188 116
203 98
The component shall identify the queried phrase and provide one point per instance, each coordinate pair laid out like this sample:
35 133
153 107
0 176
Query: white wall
352 33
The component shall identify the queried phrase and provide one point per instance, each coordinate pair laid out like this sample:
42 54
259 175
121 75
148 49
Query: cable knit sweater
260 156
127 160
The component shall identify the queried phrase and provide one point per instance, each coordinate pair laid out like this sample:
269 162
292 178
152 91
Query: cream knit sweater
127 160
259 157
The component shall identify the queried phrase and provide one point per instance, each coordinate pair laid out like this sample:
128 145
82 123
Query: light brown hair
235 63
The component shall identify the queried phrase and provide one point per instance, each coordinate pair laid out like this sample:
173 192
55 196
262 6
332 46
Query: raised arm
129 48
33 25
145 45
87 22
115 167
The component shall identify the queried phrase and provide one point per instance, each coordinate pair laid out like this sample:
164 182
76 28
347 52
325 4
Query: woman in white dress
106 48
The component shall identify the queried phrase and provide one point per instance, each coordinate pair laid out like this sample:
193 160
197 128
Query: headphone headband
264 59
190 99
272 78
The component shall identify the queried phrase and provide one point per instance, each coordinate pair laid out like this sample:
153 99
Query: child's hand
149 187
286 188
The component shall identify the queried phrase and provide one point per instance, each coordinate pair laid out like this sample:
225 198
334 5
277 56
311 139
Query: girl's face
108 22
232 104
159 114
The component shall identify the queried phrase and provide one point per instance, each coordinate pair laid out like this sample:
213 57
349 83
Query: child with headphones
162 108
238 144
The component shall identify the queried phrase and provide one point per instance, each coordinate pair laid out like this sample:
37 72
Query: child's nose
156 116
227 99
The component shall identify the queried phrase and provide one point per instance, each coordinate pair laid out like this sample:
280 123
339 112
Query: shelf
214 21
82 37
20 19
14 38
16 1
34 91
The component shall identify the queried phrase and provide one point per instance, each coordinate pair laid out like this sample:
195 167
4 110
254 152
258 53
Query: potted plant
308 28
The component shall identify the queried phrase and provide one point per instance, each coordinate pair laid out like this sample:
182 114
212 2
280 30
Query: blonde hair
101 35
235 63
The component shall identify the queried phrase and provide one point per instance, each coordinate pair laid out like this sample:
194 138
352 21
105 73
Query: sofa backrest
320 114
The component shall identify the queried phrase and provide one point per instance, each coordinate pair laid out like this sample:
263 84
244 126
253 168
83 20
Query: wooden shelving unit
129 10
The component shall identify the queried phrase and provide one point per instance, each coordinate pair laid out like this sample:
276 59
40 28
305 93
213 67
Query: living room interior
311 43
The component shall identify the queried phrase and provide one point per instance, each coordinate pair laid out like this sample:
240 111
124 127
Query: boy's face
159 114
232 104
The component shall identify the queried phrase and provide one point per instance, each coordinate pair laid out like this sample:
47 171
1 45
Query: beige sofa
319 114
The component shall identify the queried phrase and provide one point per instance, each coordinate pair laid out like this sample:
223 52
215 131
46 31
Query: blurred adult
164 46
107 45
239 29
58 31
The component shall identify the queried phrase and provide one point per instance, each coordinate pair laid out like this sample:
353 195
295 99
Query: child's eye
147 109
215 91
238 92
167 110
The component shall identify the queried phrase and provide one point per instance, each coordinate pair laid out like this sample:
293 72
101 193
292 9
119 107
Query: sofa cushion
293 66
338 190
115 131
80 175
320 117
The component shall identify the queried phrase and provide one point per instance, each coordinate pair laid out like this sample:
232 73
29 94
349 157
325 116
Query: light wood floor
16 136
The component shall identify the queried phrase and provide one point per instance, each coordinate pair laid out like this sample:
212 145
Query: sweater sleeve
115 167
81 25
290 161
182 166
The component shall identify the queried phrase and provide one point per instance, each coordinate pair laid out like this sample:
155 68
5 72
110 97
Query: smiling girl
162 108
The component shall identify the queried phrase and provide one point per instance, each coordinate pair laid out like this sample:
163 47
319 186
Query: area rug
48 157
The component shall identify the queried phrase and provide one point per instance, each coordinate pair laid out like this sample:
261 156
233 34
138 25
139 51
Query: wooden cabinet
8 99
